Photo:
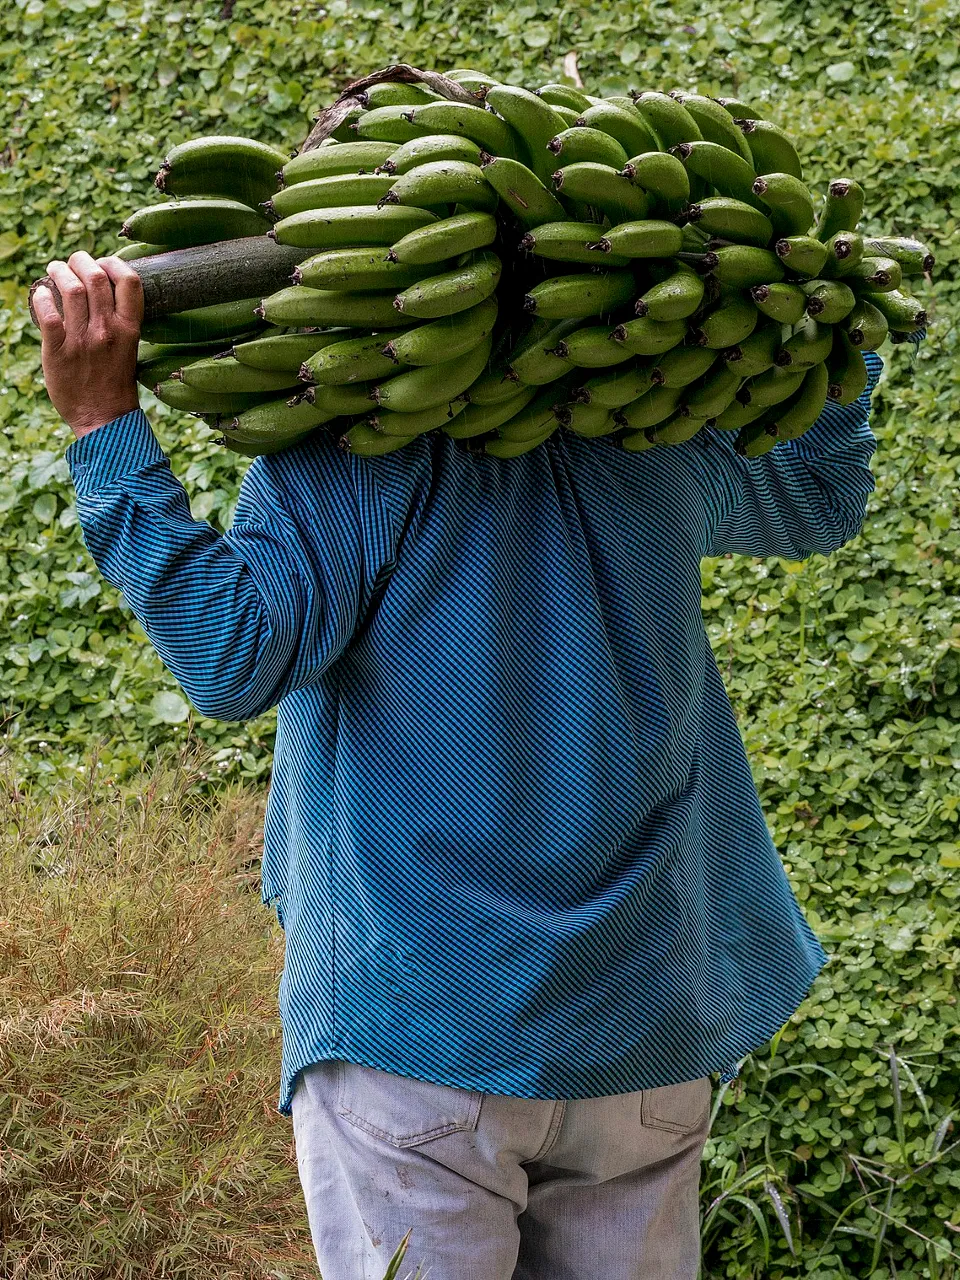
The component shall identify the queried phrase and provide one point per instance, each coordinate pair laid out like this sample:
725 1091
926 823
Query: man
529 896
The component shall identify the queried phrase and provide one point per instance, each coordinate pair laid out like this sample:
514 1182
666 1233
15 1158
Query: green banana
656 406
431 147
286 351
534 120
444 239
740 266
226 375
587 420
514 449
739 110
522 191
675 298
903 314
914 257
479 418
737 415
638 441
772 387
477 123
788 202
602 187
805 406
130 252
358 270
353 360
452 291
530 423
351 226
389 124
443 340
828 300
563 95
628 128
345 398
728 321
712 394
329 162
326 193
418 421
847 370
732 220
233 168
390 94
298 305
756 439
648 238
579 295
757 352
771 150
678 429
647 337
728 172
716 125
785 303
274 421
681 365
592 347
471 79
809 345
803 255
844 254
255 450
668 119
661 175
879 275
178 395
535 360
367 442
622 385
443 182
179 224
495 387
224 320
346 129
841 210
583 144
570 242
434 384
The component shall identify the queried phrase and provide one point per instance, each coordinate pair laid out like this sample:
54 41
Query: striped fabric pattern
512 834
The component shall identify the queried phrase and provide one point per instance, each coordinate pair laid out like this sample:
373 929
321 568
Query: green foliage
844 670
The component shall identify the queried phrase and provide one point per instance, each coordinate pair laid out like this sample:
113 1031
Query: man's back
512 833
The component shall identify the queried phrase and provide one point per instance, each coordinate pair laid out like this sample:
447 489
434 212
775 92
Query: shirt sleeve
242 618
804 496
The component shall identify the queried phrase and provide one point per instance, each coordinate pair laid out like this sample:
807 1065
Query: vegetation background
139 1050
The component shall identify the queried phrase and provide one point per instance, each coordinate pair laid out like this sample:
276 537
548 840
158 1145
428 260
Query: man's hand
90 356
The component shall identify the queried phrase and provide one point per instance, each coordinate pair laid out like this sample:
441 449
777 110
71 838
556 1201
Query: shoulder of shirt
394 478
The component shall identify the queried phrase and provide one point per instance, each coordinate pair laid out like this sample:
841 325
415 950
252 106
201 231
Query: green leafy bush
835 1154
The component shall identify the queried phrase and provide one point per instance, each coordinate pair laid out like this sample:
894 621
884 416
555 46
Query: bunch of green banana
637 267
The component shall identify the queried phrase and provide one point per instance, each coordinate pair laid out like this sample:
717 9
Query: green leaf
169 707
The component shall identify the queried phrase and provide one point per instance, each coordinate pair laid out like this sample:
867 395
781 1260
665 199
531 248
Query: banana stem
400 72
205 275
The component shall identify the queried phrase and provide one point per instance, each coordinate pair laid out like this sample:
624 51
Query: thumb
49 319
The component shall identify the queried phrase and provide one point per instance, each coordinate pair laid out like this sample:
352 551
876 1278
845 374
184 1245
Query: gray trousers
498 1188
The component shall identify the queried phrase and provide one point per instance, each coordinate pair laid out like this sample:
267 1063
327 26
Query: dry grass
140 1040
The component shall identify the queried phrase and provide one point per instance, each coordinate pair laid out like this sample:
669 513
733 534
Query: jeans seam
553 1132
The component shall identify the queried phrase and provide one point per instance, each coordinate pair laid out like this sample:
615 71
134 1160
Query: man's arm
240 619
807 495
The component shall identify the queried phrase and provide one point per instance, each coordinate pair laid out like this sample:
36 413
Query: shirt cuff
117 449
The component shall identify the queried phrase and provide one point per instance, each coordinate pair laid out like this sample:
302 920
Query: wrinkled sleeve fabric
804 496
242 618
